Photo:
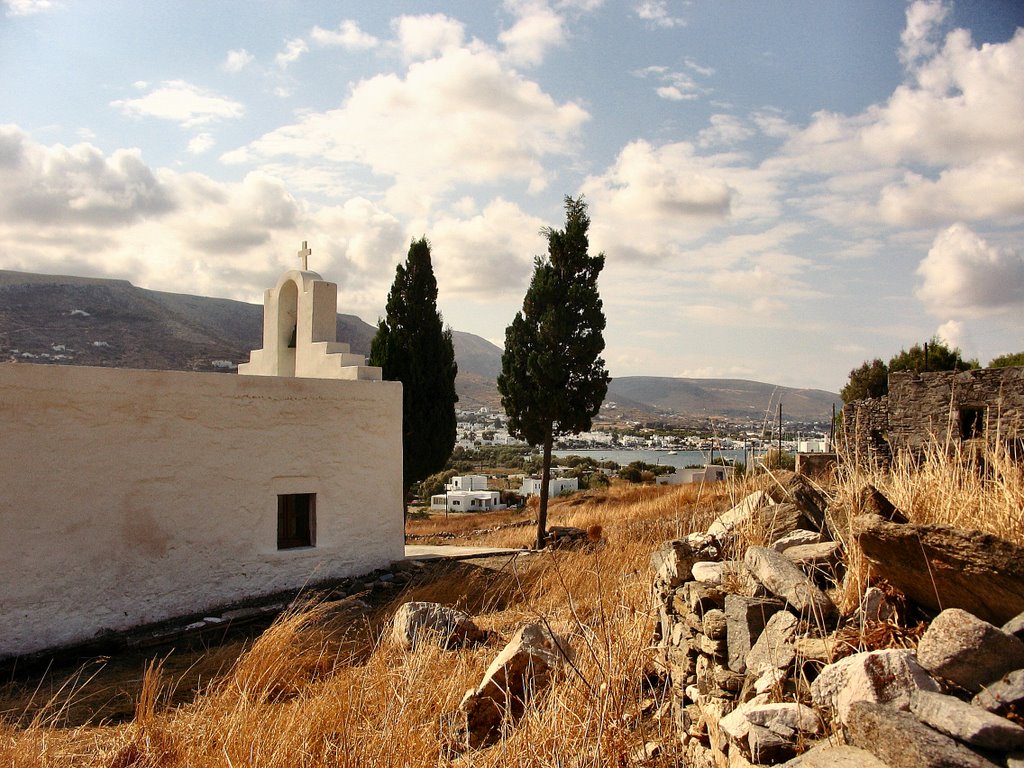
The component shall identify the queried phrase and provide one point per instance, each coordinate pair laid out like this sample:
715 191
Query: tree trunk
545 481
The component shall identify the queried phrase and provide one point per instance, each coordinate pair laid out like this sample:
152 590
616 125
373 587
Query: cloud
293 50
462 117
348 35
490 253
917 40
182 103
656 12
74 210
724 130
965 274
201 143
237 60
537 29
29 7
74 185
423 37
676 86
656 200
954 334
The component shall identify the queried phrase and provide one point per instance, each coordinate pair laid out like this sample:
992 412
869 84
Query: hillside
112 323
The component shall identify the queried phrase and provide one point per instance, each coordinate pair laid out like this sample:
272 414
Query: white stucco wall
128 497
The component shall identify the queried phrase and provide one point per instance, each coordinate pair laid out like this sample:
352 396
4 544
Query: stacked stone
726 632
737 643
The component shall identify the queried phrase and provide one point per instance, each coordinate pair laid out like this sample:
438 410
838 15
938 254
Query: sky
782 190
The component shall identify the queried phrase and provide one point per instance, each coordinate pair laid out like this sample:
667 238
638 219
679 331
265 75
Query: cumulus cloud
917 40
537 29
71 185
423 37
462 117
182 103
293 50
348 35
656 13
237 60
654 200
954 334
201 143
75 210
724 130
965 274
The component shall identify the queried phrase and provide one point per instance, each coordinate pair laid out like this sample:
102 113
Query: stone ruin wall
924 408
865 431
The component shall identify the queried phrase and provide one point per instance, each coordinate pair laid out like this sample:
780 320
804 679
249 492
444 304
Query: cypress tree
413 346
553 379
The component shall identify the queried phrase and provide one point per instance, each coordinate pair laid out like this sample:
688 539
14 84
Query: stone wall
943 404
865 432
131 497
947 407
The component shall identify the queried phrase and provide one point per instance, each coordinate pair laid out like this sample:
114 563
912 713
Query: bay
679 459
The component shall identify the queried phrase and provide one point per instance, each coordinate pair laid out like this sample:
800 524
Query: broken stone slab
782 519
739 515
1015 626
769 679
938 566
698 598
797 489
1004 695
967 723
766 746
672 563
822 553
786 718
524 667
967 651
715 573
899 740
797 538
775 647
745 619
884 677
827 755
785 580
873 502
820 649
735 724
416 622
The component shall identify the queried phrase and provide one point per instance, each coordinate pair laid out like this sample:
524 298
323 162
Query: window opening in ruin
296 520
972 423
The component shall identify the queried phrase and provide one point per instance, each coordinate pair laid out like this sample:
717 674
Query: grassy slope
321 689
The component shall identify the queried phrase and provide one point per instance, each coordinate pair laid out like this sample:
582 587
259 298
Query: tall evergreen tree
413 346
553 379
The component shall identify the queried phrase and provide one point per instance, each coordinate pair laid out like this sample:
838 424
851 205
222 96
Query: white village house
131 497
467 493
711 473
556 486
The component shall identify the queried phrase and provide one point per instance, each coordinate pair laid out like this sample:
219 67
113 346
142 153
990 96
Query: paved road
441 552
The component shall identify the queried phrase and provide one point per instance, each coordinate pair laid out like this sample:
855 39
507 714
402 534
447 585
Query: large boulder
964 722
784 579
416 622
965 650
884 677
938 566
900 740
523 668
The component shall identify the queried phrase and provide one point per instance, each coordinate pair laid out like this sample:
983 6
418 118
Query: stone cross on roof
304 255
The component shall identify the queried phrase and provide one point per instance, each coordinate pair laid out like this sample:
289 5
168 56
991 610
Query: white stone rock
884 677
797 538
739 515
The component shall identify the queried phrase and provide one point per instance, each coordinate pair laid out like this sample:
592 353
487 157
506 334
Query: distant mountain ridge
112 323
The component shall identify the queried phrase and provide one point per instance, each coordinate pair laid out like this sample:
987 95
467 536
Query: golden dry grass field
324 687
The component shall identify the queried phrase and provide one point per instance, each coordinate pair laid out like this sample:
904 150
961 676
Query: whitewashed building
467 501
556 486
131 497
712 473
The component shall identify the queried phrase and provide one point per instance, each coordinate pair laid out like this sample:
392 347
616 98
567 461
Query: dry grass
309 694
322 688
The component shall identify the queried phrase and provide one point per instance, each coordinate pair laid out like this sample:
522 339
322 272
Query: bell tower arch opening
287 327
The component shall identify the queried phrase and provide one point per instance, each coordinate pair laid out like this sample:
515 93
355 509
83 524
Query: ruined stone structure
948 407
